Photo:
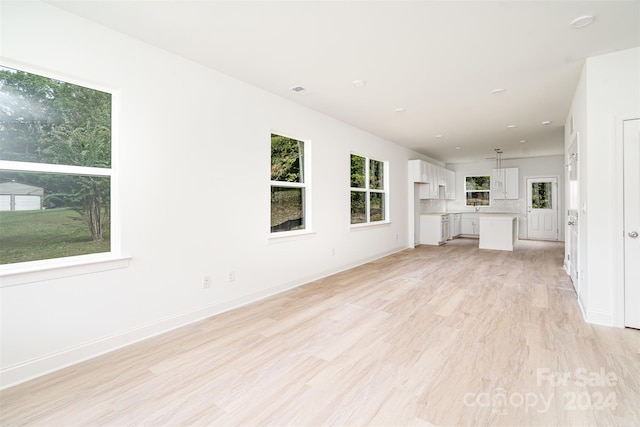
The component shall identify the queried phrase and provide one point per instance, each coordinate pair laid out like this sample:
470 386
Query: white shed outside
15 196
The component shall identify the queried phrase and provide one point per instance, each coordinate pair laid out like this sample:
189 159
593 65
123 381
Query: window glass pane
358 171
477 183
287 209
376 172
358 207
43 120
287 159
478 198
541 195
44 216
376 207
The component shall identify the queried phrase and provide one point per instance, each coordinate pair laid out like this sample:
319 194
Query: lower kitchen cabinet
455 225
469 225
434 229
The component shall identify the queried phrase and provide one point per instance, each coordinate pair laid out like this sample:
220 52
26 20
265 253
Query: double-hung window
55 168
369 194
478 190
290 185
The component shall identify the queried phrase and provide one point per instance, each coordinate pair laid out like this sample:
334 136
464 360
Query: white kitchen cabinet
434 181
504 184
434 229
450 185
455 222
469 225
432 178
415 171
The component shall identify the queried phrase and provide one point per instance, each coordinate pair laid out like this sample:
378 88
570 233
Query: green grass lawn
45 234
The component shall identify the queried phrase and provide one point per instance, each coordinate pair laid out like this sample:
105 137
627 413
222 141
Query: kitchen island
498 231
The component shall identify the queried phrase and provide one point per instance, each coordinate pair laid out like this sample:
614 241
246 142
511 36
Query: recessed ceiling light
546 122
359 83
439 135
582 21
298 89
498 90
511 126
400 110
522 141
457 148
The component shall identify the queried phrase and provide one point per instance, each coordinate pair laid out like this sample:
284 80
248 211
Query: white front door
542 218
631 149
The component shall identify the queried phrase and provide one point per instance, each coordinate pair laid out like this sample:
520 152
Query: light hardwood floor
448 335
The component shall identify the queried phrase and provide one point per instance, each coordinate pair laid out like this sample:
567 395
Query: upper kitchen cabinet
432 178
451 185
418 171
504 184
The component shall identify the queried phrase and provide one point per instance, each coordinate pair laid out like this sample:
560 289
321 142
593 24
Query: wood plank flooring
448 335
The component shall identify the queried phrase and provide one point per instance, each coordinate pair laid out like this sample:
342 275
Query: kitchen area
500 231
487 201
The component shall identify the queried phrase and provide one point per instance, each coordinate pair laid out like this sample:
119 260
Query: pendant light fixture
499 173
498 157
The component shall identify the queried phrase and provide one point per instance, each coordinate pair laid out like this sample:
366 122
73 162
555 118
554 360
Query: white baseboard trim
25 371
599 318
582 309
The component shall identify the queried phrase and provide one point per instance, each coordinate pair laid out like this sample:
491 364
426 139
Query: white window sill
369 225
286 236
37 271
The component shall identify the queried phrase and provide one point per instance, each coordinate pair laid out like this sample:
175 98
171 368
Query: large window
55 168
289 184
478 190
368 190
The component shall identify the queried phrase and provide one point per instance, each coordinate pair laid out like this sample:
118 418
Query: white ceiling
437 60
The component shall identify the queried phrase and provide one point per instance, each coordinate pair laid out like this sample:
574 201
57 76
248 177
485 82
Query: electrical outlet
231 276
206 282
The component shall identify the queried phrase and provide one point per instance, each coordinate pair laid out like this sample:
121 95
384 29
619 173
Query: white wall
608 92
182 123
552 166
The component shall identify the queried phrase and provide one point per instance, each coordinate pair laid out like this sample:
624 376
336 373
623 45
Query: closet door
632 223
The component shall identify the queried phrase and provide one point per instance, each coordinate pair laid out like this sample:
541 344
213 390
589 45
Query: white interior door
542 217
632 223
572 217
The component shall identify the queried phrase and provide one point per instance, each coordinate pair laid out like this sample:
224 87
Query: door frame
618 300
572 248
559 203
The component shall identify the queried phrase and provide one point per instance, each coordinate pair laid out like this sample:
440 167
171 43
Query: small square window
478 190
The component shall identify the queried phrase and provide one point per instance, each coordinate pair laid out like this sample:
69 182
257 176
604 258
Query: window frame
368 191
19 273
466 192
305 185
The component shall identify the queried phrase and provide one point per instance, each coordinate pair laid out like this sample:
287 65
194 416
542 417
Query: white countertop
481 213
501 217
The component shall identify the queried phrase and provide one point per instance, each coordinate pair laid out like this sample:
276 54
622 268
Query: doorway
631 165
542 208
